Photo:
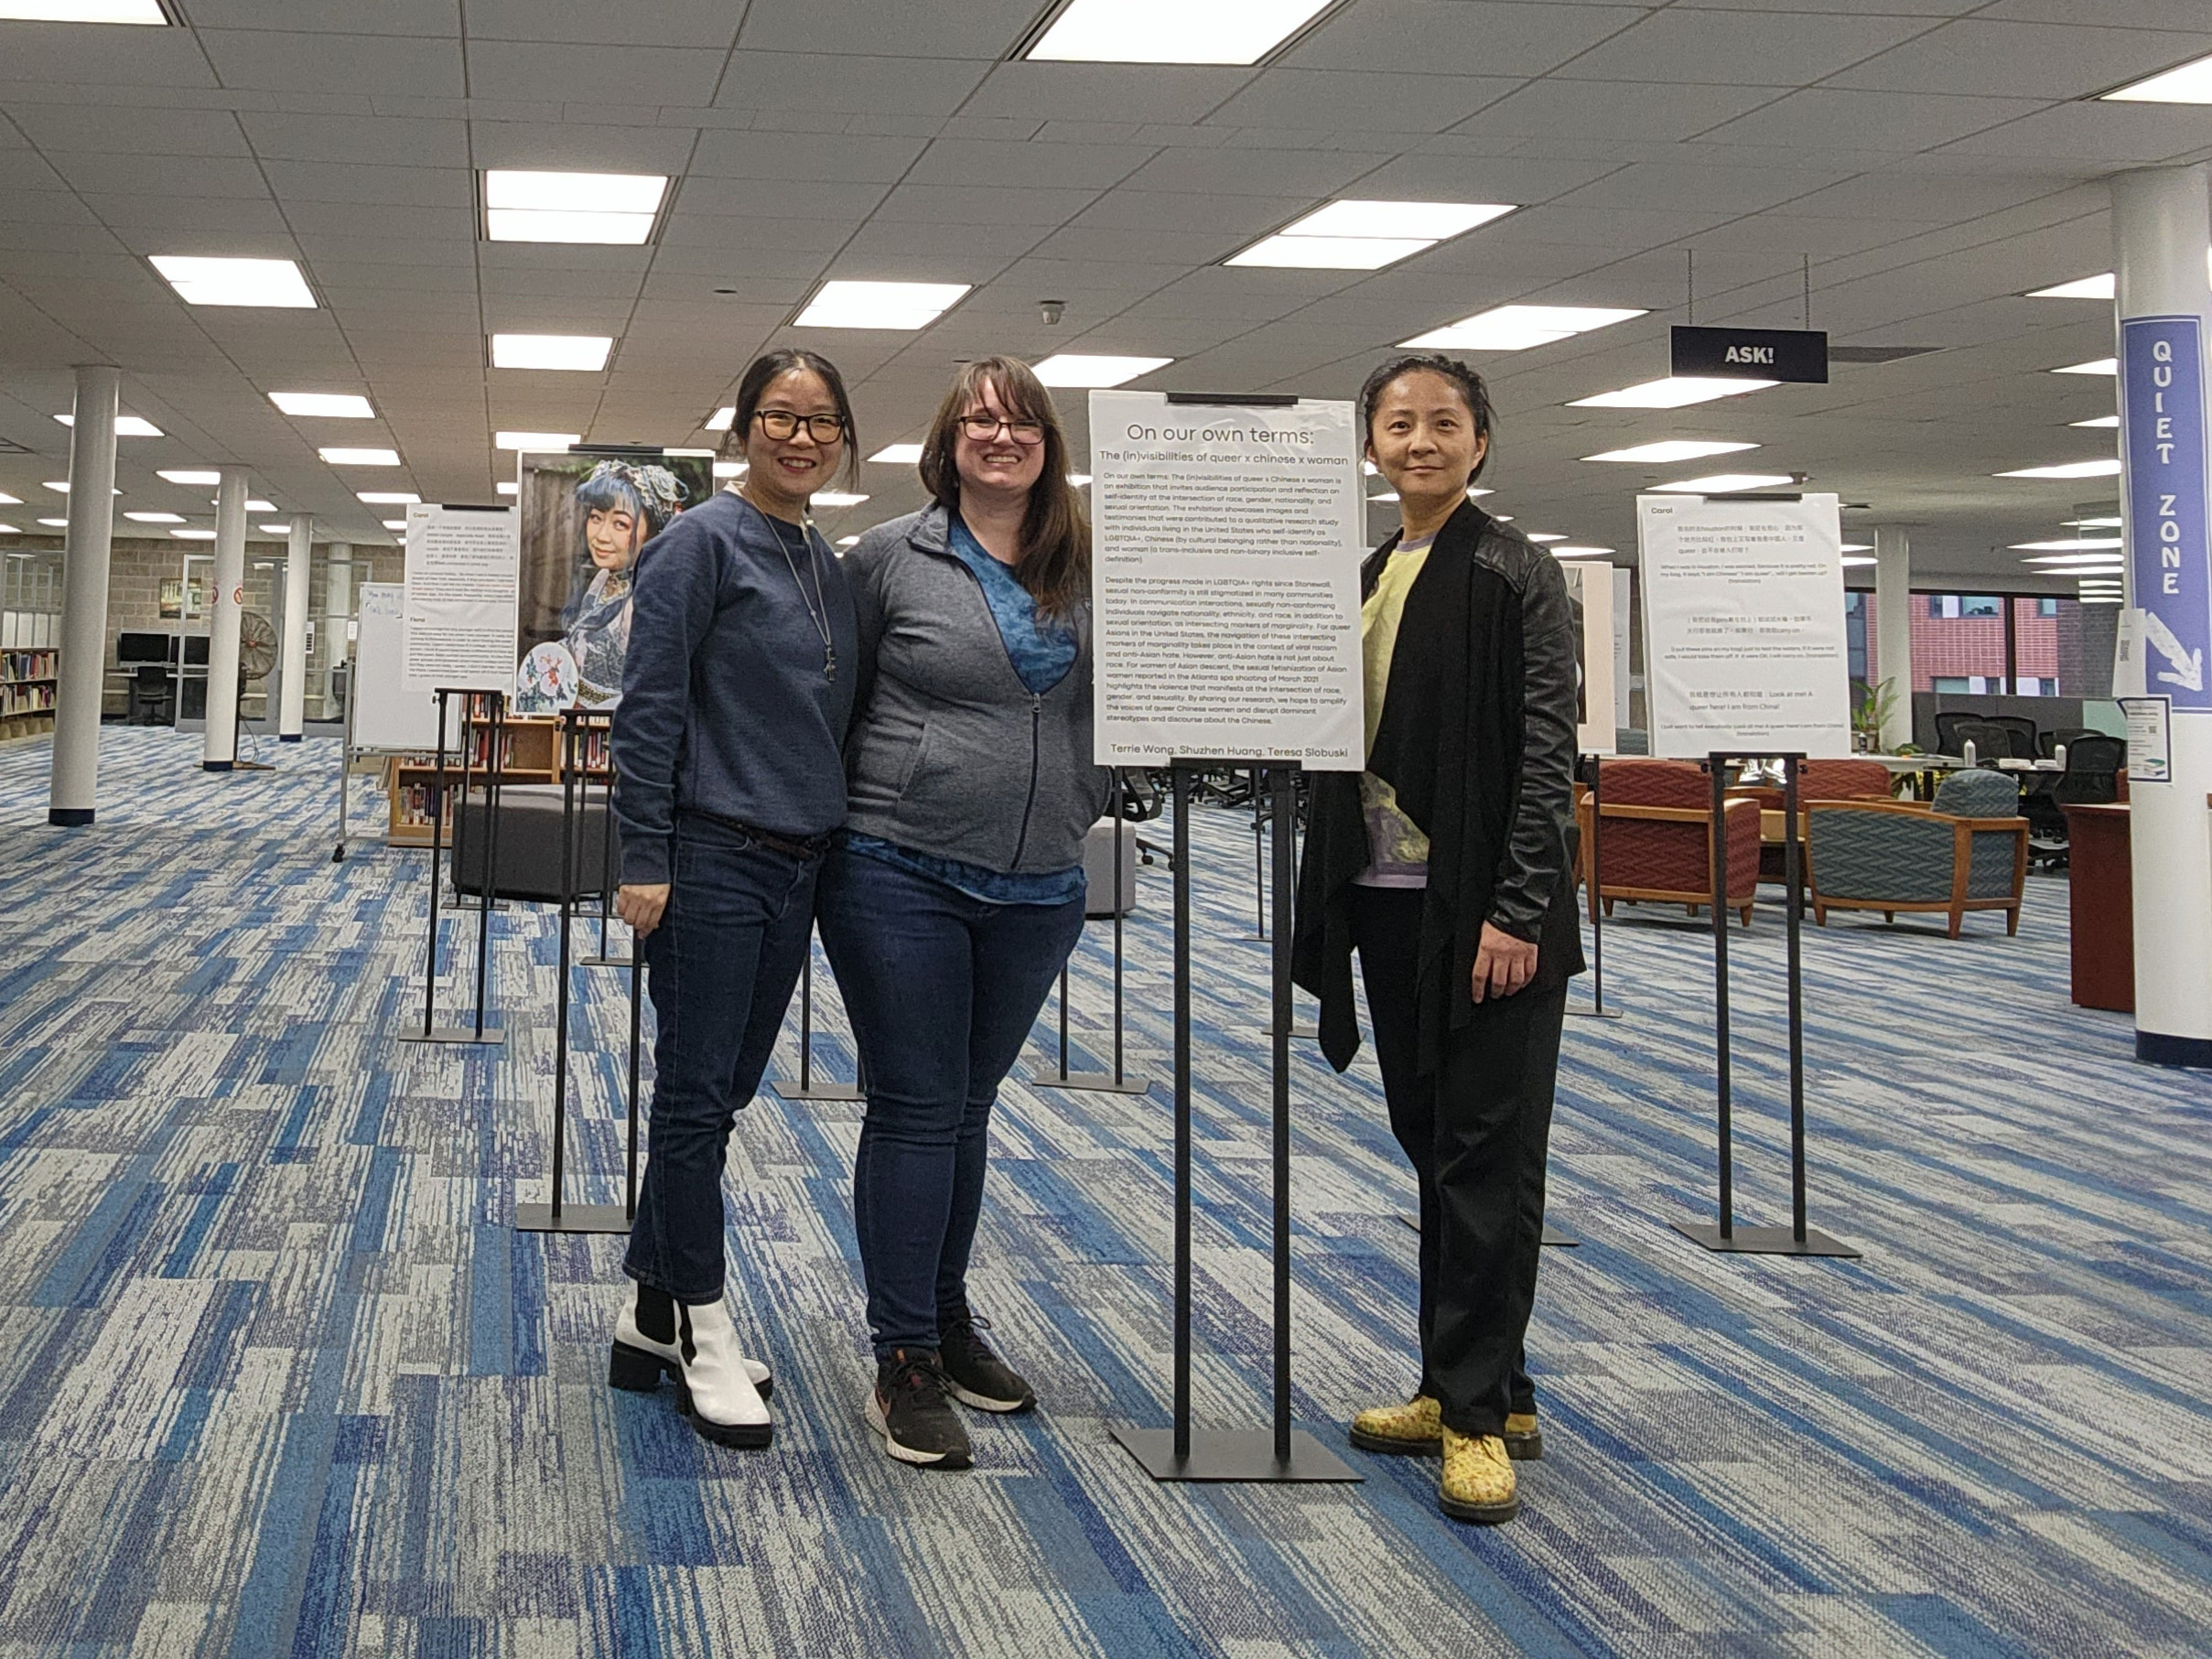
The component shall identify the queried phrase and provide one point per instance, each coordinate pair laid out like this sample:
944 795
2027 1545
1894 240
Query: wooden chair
1965 851
1659 838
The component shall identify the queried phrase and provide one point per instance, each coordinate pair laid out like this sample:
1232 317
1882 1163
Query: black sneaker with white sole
909 1408
977 1375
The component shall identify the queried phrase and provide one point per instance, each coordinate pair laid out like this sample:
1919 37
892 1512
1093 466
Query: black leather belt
810 848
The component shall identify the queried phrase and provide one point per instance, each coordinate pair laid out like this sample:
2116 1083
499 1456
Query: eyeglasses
982 428
783 424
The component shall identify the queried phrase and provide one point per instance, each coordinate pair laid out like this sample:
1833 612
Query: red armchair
1657 838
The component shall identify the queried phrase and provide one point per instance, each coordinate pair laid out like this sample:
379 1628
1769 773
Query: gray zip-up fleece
950 754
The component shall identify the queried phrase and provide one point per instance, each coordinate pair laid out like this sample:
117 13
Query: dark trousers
1476 1132
721 967
943 990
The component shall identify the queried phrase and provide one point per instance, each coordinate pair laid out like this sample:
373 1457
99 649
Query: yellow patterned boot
1417 1427
1523 1439
1478 1480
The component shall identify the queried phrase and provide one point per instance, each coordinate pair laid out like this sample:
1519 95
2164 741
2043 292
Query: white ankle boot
638 1361
714 1388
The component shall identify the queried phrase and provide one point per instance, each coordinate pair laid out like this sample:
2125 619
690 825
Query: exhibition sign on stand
1744 661
1744 650
1226 547
462 570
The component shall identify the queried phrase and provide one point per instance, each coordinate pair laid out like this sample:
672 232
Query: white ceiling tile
1610 109
1361 98
1833 118
1036 164
2089 139
590 74
1233 172
770 199
2024 59
417 223
1741 48
58 128
60 54
983 29
389 140
1459 37
421 17
818 82
594 147
1698 187
1520 179
201 217
817 157
981 204
701 26
351 64
1937 199
304 181
181 176
940 246
1105 91
1230 220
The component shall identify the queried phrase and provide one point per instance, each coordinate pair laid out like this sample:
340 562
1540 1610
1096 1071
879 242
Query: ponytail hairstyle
1054 565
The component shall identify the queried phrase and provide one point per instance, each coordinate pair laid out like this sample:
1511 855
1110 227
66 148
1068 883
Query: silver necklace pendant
829 663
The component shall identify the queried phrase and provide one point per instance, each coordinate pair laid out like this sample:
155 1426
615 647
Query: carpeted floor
277 1378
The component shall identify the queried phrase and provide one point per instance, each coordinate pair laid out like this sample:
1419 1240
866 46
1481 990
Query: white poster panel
1620 616
1589 602
390 711
1743 636
463 588
1225 557
2150 739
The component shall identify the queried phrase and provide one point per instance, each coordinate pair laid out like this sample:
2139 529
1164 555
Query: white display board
1621 606
1226 553
1590 595
390 711
463 590
1744 650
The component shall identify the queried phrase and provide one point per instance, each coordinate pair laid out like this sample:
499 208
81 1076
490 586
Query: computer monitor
132 649
195 650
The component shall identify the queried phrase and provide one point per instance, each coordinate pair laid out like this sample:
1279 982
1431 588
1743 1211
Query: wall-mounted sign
1779 354
2162 403
2150 742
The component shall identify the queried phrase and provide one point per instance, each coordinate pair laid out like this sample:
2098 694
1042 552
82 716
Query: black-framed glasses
982 428
783 424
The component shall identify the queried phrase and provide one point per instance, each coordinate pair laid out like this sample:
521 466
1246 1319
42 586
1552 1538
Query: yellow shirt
1400 852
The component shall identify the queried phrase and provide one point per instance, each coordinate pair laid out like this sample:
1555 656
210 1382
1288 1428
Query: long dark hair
1471 389
1054 565
651 495
762 372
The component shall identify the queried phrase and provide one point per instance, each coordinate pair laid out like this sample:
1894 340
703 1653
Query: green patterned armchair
1967 850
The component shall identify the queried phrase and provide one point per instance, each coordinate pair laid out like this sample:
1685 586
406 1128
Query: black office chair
2092 774
1991 741
2066 735
1947 729
152 696
2022 730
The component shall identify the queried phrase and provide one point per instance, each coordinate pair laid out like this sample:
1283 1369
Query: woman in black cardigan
1446 864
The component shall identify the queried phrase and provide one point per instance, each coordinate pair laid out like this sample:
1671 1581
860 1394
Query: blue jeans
721 967
943 990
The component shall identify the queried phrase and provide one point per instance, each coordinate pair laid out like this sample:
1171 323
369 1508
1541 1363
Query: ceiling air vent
1877 354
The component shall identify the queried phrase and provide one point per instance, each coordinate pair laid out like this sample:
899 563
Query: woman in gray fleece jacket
955 891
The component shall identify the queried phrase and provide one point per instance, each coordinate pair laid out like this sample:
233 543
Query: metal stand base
1100 1082
602 962
1234 1455
1763 1241
816 1091
570 1218
1553 1238
1593 1013
492 1035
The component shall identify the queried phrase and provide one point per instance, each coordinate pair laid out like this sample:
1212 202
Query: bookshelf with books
530 753
28 680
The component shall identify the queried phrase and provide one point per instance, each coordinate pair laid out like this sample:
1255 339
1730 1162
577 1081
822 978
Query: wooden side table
2101 906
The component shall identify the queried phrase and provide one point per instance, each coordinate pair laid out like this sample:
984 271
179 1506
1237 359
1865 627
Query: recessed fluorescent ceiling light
10 500
2111 523
11 529
1851 562
583 353
1475 489
2086 287
721 419
1367 235
276 529
1172 31
1075 369
1670 451
1541 536
2190 83
729 470
837 498
1725 483
535 440
60 485
2068 470
393 523
848 541
880 304
2100 420
1674 393
2102 365
615 208
193 535
341 457
388 498
56 524
188 475
235 282
1570 551
1857 547
126 425
509 488
896 454
154 518
1079 479
252 506
82 11
2079 543
1517 328
324 405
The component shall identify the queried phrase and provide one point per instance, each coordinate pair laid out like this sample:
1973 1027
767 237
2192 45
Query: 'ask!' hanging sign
2162 405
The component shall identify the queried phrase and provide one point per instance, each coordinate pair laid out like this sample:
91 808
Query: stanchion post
629 1148
1797 1238
608 882
807 1088
432 1032
495 767
1594 766
1118 1080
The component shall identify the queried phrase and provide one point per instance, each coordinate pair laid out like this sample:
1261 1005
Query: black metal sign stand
806 1088
1592 765
1795 1239
1120 1080
560 1216
606 868
1176 1453
432 1032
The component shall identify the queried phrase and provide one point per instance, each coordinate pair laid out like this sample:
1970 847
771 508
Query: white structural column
91 530
1894 630
336 610
291 700
219 753
2162 226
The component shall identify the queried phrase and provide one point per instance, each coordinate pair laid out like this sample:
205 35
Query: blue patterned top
1041 650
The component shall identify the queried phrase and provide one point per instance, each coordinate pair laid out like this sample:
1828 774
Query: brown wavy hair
1054 565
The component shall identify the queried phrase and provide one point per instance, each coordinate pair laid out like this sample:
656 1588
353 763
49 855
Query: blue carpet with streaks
278 1378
